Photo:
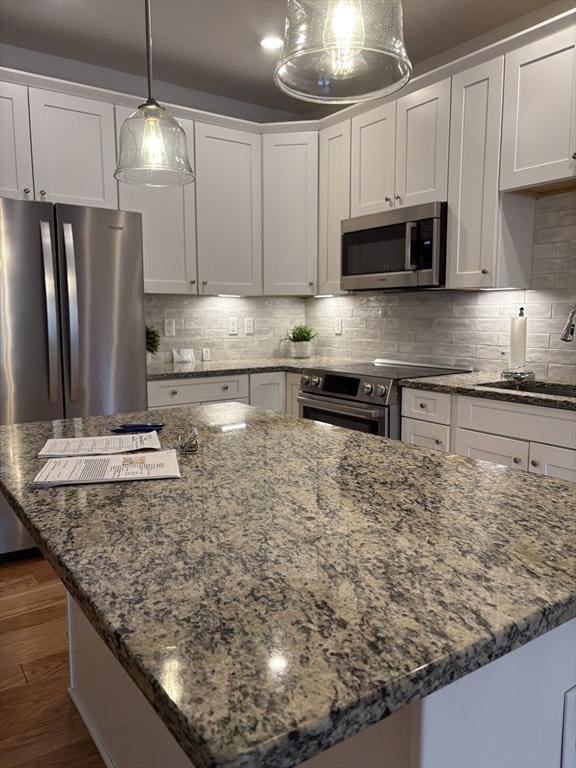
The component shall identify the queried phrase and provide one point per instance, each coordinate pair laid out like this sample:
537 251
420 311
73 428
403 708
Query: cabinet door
426 434
73 149
422 126
499 450
553 462
473 184
15 149
334 202
290 194
539 122
292 389
228 210
373 148
268 390
168 226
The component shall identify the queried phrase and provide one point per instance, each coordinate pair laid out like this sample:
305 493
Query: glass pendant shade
153 149
343 51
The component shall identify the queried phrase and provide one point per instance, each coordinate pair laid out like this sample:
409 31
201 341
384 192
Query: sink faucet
517 375
568 330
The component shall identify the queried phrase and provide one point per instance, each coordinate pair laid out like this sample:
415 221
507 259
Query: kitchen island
301 582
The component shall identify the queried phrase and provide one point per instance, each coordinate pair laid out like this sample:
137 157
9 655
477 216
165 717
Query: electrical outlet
232 326
169 327
205 354
338 326
249 326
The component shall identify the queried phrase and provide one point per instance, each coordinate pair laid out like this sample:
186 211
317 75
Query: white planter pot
300 348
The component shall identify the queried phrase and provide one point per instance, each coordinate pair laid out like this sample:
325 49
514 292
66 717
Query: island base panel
513 711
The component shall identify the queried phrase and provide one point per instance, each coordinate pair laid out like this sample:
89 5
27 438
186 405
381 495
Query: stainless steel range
361 396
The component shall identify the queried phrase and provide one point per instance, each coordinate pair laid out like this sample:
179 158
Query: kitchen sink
538 387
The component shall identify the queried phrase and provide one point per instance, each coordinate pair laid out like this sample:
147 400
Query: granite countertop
159 371
299 581
471 384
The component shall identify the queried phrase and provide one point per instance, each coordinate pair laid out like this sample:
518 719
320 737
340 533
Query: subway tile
558 202
567 217
543 281
545 220
562 372
435 335
492 352
555 234
461 350
567 248
545 251
480 310
476 337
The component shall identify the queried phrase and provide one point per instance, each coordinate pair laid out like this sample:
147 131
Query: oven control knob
367 388
315 381
305 380
380 390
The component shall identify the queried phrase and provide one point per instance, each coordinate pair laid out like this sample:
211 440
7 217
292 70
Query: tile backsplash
448 327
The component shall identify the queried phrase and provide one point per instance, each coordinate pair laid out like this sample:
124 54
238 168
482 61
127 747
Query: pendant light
343 51
152 150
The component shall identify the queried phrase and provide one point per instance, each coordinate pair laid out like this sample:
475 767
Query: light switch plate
338 326
249 326
205 354
232 326
169 327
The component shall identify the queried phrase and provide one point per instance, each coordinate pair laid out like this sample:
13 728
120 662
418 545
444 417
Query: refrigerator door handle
73 320
51 311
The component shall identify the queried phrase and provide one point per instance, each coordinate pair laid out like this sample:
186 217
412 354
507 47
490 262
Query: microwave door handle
73 319
410 227
51 311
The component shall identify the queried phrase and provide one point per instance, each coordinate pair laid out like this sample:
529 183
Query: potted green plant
152 342
300 338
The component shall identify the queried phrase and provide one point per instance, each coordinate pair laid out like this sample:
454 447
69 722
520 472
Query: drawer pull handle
438 442
422 405
225 387
516 460
535 463
173 391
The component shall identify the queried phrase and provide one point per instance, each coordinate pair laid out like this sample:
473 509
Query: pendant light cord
148 47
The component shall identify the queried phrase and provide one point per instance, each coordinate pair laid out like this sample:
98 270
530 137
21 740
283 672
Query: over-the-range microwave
403 248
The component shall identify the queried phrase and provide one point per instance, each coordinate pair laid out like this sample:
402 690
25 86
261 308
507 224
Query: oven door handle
345 410
410 227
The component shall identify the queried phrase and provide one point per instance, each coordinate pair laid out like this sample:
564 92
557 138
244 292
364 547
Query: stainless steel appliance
72 339
361 396
404 248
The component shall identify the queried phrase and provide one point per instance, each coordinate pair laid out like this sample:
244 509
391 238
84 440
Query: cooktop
390 369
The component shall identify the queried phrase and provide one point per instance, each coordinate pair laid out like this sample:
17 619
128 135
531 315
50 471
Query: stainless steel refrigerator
72 335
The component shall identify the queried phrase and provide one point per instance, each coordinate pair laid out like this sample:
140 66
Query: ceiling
211 45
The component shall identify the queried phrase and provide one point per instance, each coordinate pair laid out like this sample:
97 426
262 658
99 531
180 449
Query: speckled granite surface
470 384
233 367
299 581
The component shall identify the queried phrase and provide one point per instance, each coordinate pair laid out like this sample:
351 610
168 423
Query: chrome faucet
568 330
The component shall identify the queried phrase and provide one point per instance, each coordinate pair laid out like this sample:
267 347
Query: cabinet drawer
499 450
425 405
553 462
426 434
527 422
182 391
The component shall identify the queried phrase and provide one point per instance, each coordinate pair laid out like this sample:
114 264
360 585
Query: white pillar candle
518 340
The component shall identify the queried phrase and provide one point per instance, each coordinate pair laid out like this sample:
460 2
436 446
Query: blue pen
128 428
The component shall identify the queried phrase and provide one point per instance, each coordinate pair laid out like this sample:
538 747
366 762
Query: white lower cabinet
552 461
425 434
292 389
268 390
209 389
499 431
499 450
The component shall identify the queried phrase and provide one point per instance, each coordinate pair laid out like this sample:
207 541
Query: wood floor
39 725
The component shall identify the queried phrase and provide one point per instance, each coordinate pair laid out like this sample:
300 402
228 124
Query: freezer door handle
51 311
73 320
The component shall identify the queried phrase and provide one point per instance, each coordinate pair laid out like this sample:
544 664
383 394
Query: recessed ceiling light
272 42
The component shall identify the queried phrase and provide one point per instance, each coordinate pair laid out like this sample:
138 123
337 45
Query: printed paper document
81 470
105 445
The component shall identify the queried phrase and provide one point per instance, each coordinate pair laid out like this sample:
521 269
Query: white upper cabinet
373 152
229 210
539 125
422 137
472 245
334 202
73 148
15 150
290 162
168 226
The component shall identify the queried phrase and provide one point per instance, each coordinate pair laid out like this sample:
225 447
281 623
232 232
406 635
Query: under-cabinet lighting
230 296
324 296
